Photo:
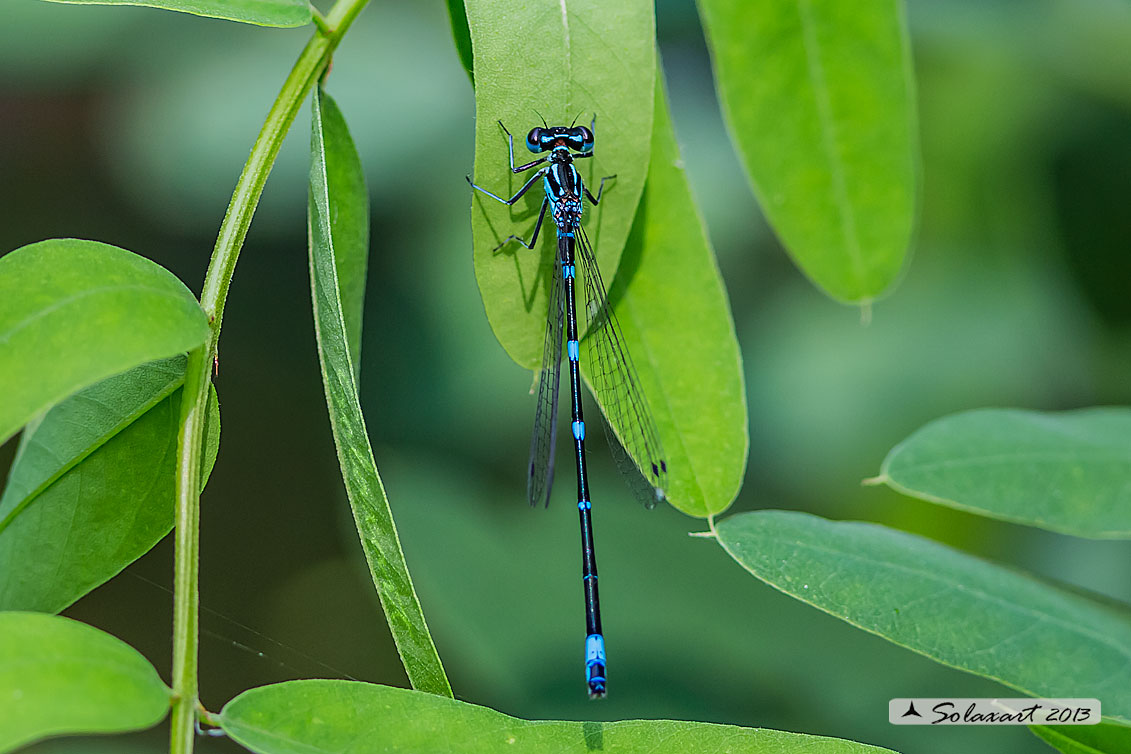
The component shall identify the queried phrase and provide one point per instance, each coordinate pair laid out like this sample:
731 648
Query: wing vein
543 440
629 426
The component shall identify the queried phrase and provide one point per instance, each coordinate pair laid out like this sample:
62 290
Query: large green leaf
74 312
92 486
689 364
954 608
818 97
58 676
1105 738
564 59
259 12
1067 472
323 716
333 158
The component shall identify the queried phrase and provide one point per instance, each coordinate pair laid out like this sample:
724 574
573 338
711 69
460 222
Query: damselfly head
577 138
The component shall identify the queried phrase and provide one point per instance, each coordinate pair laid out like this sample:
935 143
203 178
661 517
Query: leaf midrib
823 101
1007 458
82 456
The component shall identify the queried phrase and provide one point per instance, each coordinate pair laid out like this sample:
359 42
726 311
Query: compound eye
585 139
534 140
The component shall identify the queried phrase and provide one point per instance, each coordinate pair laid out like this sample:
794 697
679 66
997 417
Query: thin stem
311 63
185 601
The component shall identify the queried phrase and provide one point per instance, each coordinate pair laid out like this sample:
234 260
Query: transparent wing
545 436
629 426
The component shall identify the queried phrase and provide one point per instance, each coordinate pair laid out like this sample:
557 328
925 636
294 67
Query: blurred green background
131 125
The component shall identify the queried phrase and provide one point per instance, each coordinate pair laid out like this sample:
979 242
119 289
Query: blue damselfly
629 425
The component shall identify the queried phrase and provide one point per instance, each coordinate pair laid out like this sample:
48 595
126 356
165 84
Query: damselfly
629 425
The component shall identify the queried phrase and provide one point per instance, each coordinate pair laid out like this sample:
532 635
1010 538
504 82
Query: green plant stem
308 68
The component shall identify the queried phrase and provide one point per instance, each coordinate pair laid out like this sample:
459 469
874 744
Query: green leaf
284 13
1105 738
349 213
58 676
74 312
366 494
78 426
323 716
566 60
92 487
1066 472
819 100
461 36
951 607
689 365
211 436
